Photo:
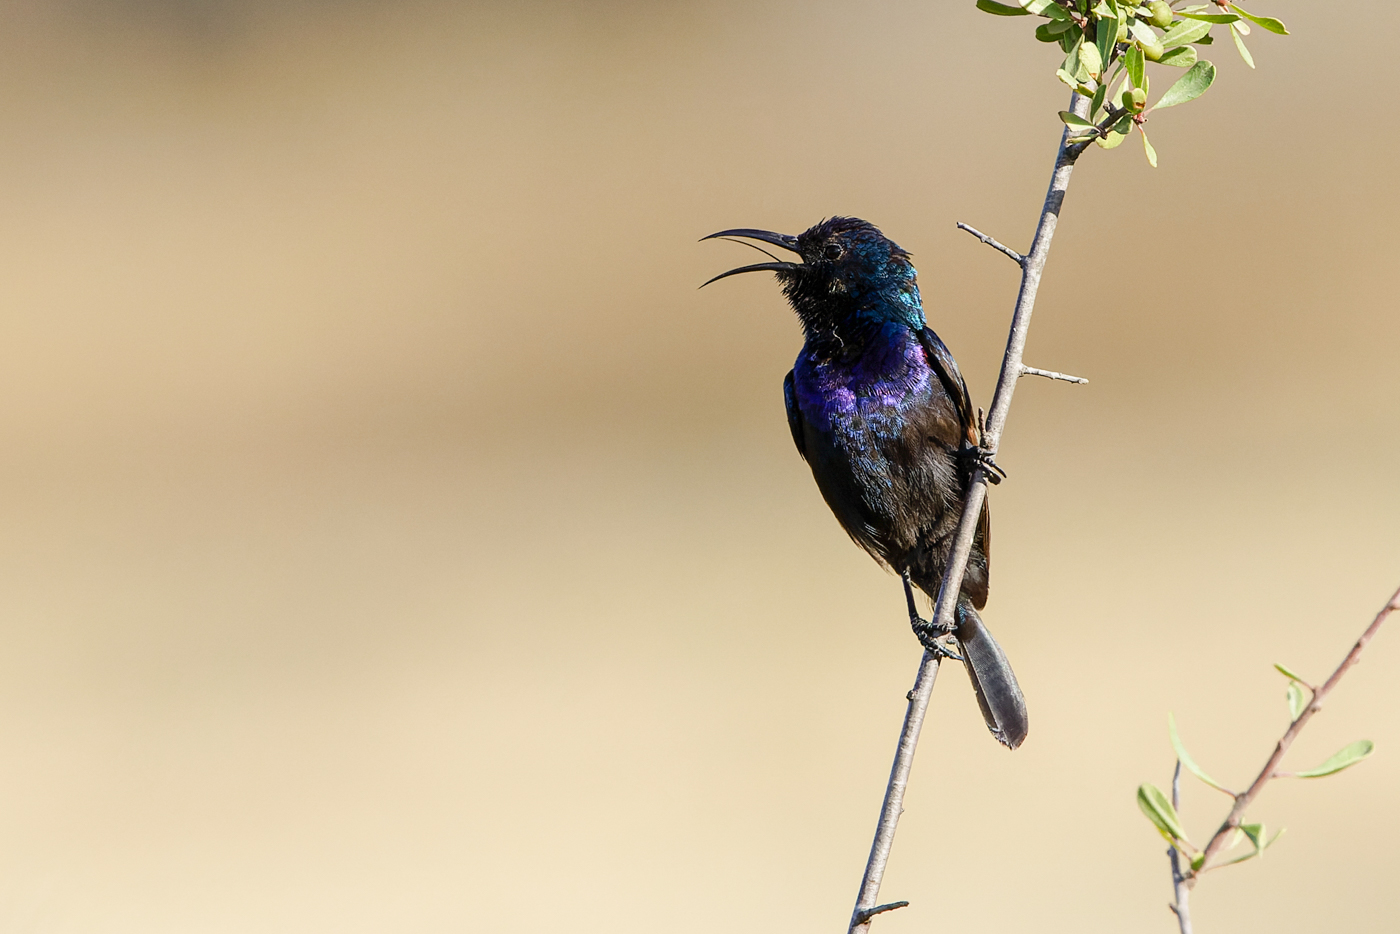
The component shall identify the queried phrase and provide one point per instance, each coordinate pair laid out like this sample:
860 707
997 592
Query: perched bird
879 411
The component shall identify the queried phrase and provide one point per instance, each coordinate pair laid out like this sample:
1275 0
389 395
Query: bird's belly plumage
880 432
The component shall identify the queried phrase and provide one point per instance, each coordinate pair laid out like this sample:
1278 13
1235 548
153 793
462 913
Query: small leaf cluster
1163 816
1109 43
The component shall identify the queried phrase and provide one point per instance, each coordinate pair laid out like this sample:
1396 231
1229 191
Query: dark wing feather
941 359
794 416
948 374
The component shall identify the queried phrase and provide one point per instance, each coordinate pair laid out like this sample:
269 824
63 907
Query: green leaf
1001 9
1160 811
1107 32
1255 833
1181 753
1260 847
1112 141
1346 758
1295 700
1184 33
1116 94
1037 6
1075 120
1097 100
1090 65
1071 62
1289 673
1050 8
1183 56
1198 861
1189 86
1143 32
1147 148
1133 62
1212 17
1239 44
1053 30
1268 22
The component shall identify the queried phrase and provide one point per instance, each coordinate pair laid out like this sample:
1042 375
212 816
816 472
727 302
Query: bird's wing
946 367
941 359
794 416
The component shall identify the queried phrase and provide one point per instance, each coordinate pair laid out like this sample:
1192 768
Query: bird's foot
935 639
981 457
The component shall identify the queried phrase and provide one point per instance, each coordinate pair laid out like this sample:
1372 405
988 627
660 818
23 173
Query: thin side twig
1032 266
1051 374
869 913
993 243
1271 770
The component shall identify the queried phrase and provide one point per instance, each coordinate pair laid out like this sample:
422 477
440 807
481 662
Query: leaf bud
1161 12
1152 51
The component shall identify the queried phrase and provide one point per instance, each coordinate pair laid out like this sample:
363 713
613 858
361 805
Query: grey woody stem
1051 374
1032 265
1180 890
992 242
1270 770
894 795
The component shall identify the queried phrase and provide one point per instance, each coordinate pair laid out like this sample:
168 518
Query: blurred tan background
394 539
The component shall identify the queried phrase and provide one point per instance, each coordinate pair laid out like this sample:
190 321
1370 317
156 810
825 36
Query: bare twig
869 913
1032 266
1271 770
1180 890
1051 374
993 243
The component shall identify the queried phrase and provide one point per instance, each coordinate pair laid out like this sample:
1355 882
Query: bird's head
849 271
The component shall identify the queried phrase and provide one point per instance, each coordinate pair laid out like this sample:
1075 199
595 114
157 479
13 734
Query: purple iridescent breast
890 376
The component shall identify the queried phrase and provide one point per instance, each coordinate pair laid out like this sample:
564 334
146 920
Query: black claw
935 639
979 457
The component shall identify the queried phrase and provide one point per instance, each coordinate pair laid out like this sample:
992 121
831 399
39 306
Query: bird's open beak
785 241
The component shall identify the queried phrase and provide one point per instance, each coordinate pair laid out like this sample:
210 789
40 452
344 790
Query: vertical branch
894 795
1180 890
1032 266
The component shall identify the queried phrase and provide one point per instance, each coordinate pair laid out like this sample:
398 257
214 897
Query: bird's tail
998 694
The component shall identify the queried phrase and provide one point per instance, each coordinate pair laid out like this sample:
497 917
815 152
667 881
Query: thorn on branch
865 914
991 242
1051 374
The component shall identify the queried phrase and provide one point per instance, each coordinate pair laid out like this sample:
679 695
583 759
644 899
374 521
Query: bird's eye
832 251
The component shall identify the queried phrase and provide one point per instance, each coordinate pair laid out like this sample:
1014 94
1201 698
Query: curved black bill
785 241
756 267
